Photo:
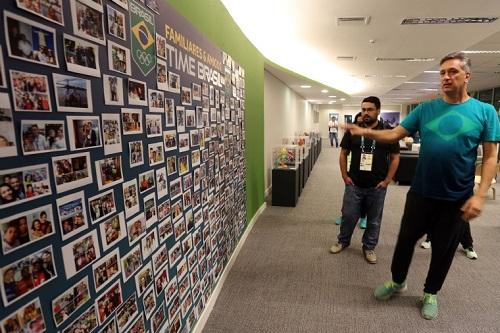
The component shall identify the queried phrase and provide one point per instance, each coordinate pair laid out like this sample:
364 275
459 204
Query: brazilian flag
142 28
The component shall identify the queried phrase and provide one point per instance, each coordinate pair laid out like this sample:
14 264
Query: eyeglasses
368 110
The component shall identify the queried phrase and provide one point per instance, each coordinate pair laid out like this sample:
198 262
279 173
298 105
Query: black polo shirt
381 158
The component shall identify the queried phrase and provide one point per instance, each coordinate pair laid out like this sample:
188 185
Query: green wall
212 19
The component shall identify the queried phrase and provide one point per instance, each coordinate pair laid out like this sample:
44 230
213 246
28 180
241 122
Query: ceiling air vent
353 20
346 58
447 20
405 59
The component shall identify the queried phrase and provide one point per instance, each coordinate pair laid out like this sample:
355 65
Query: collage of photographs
130 243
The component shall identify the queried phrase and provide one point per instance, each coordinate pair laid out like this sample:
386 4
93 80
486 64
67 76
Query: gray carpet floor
285 279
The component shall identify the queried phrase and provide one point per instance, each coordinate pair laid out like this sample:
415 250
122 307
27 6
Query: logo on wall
142 26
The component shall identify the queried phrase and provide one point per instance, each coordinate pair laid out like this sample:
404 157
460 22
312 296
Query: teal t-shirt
449 137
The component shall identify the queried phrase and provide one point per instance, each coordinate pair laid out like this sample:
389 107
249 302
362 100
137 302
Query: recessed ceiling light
482 52
305 86
332 96
324 91
342 99
334 101
431 71
331 102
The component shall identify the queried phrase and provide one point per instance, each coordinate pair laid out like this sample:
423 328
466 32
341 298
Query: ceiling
306 38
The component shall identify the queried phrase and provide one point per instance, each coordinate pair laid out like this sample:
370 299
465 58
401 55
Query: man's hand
354 129
348 180
382 184
472 208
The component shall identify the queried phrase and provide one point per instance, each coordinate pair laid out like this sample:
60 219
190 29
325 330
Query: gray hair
465 62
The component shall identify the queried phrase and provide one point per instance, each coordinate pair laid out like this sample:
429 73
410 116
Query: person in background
441 199
358 120
333 129
373 165
466 241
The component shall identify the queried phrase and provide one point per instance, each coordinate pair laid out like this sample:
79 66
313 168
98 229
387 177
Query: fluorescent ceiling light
419 82
342 99
429 89
332 96
482 52
431 71
305 86
324 91
283 45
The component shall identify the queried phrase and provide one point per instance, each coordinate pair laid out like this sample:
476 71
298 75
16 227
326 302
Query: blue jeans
333 136
358 199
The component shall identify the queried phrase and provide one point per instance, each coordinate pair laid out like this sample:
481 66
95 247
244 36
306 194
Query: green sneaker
387 289
429 306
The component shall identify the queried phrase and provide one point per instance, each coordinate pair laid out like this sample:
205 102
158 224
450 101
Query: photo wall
122 175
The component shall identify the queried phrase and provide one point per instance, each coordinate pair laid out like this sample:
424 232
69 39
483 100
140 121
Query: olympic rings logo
144 58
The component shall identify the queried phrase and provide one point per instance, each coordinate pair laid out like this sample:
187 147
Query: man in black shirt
373 164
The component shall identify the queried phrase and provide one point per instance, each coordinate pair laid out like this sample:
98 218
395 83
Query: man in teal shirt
441 198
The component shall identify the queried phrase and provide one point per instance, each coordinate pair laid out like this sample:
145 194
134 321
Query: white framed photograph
30 92
174 83
169 112
149 302
163 210
136 228
196 92
161 280
86 322
72 214
190 118
171 165
159 316
39 136
71 171
153 5
112 231
146 180
137 92
149 243
150 209
156 100
153 125
111 133
175 188
49 10
107 302
110 327
28 318
165 228
161 182
116 23
30 41
87 21
40 264
156 153
131 121
160 258
96 4
144 278
84 132
127 313
130 198
113 89
136 153
161 46
23 229
106 270
81 56
186 98
8 137
177 214
16 183
183 142
102 206
80 253
180 112
109 172
119 58
73 94
174 254
67 303
195 157
170 140
162 82
183 164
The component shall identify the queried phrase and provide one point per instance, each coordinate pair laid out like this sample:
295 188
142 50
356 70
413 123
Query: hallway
285 280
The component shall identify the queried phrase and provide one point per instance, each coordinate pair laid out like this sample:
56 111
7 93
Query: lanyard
363 145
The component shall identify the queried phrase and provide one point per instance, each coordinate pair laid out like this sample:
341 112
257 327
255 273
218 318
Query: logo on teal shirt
451 125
